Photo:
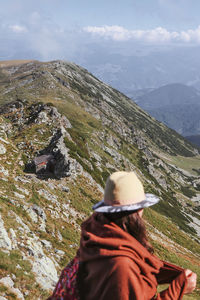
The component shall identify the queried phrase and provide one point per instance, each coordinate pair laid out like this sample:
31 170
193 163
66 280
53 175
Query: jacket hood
101 238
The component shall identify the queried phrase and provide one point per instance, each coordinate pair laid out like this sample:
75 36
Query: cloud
157 35
35 35
191 35
38 37
18 28
114 32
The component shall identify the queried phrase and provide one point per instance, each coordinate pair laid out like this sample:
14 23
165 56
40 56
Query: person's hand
191 281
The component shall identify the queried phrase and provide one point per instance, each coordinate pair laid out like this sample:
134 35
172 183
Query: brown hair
133 224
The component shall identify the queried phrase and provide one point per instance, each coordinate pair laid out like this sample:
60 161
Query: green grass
186 163
188 192
183 262
8 262
25 279
81 198
170 229
193 296
35 198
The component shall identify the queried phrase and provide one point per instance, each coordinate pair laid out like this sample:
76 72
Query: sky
60 29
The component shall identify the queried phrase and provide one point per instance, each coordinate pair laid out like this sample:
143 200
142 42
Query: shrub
188 192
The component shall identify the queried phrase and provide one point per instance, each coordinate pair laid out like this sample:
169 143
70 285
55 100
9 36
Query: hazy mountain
195 139
142 67
62 132
176 105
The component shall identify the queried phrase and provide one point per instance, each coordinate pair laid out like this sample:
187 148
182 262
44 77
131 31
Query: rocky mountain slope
62 132
176 105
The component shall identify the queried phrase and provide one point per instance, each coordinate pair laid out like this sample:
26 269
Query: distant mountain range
194 139
144 67
175 105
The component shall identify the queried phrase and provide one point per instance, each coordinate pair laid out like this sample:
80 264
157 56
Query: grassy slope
86 125
158 221
188 164
6 63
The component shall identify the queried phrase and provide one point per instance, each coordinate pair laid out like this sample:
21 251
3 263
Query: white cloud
157 35
18 28
113 32
191 35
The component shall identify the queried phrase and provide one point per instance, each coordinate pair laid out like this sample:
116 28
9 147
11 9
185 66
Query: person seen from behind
116 259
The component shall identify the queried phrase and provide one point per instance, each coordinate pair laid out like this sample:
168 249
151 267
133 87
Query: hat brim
149 201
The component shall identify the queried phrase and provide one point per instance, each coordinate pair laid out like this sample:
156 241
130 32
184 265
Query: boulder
2 149
13 238
42 266
5 241
39 211
8 282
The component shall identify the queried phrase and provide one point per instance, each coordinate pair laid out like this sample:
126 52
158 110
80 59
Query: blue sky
131 14
56 29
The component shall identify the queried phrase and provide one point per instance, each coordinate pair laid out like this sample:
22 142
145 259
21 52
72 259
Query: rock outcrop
5 242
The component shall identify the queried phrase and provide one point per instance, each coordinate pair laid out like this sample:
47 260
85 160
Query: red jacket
118 267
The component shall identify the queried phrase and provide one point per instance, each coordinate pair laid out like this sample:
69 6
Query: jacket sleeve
175 290
130 284
168 273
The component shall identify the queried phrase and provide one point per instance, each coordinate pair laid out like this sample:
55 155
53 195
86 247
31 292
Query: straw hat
124 192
